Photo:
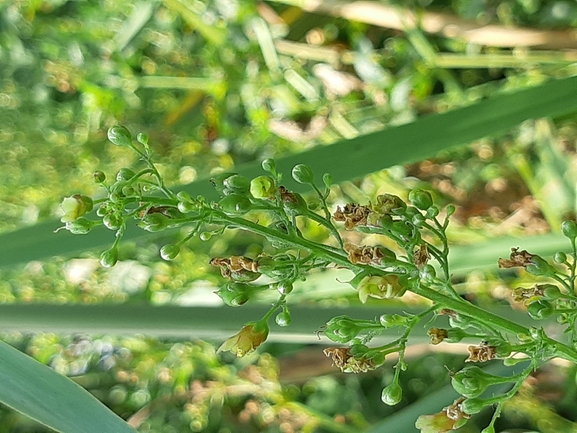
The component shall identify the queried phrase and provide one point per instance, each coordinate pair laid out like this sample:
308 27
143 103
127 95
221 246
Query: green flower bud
112 221
488 429
327 180
184 196
235 204
218 181
539 267
432 212
471 381
75 206
450 210
120 136
569 229
81 226
294 203
154 222
550 291
237 184
236 294
125 174
358 350
392 320
98 177
109 257
303 174
186 206
103 210
541 309
142 138
285 287
342 329
170 251
421 199
560 257
262 187
392 394
472 406
283 318
270 166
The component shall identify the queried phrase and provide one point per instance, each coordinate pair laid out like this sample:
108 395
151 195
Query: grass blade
52 399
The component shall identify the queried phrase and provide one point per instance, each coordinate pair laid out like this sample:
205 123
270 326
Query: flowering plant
415 260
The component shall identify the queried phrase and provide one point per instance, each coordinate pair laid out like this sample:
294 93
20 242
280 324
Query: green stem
459 305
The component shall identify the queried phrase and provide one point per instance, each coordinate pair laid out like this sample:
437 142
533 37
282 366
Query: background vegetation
220 85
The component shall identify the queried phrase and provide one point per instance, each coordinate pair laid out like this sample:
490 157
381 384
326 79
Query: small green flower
380 287
252 335
262 187
74 207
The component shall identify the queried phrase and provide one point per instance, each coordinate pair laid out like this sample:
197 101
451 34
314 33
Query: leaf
52 399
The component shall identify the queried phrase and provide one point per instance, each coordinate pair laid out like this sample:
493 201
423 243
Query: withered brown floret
525 295
353 215
364 255
454 411
287 196
421 256
343 359
236 267
481 353
517 259
437 335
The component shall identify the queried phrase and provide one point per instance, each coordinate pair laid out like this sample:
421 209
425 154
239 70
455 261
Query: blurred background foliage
217 83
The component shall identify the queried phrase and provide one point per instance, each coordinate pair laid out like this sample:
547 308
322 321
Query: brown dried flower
237 268
365 255
517 259
481 353
353 215
421 256
343 359
450 418
437 335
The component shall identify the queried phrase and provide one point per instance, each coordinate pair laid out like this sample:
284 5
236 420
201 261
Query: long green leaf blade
52 399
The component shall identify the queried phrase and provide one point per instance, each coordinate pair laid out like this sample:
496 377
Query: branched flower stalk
417 227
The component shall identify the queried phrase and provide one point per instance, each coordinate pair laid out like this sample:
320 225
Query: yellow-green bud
569 229
120 136
392 394
262 187
303 174
109 257
75 206
98 176
169 252
421 199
